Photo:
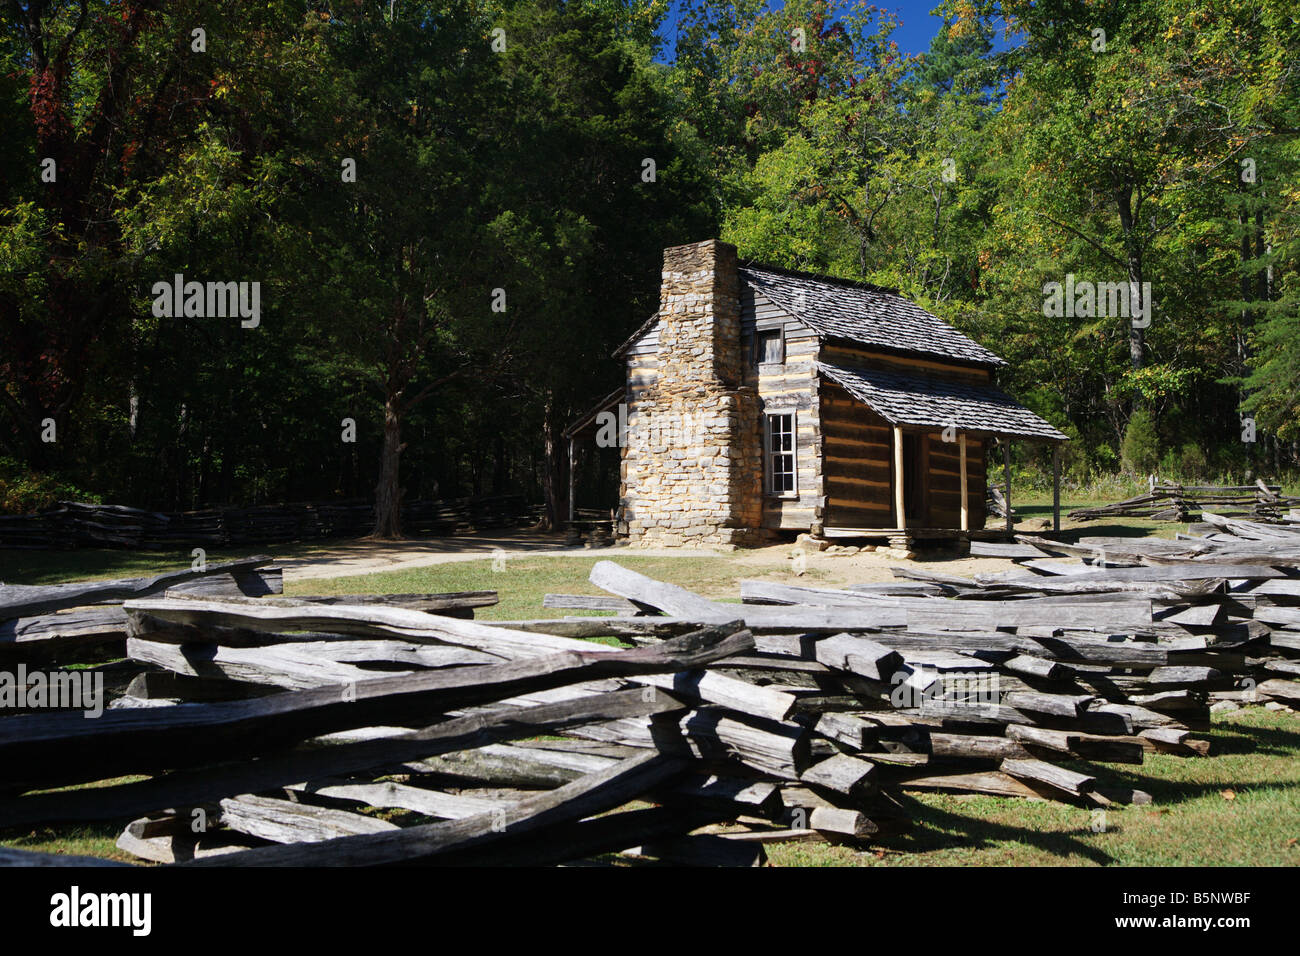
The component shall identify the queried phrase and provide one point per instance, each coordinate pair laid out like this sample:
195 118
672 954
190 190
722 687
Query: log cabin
760 401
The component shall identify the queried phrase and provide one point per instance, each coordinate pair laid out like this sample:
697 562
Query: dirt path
367 557
833 569
840 570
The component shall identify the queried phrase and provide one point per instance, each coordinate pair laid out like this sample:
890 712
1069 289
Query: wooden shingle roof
864 314
903 399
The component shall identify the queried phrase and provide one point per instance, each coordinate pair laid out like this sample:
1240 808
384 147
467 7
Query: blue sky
918 27
913 35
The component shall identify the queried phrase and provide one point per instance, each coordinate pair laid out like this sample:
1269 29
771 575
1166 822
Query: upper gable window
769 347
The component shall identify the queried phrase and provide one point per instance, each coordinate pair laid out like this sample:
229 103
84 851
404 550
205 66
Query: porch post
900 515
1006 475
965 504
573 481
1056 487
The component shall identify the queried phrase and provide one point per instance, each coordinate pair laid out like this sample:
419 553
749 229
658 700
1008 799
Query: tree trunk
1133 257
388 492
554 485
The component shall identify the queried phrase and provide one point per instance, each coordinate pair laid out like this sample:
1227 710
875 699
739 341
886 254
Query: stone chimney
699 314
692 466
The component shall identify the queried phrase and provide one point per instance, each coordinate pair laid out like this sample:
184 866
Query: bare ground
833 569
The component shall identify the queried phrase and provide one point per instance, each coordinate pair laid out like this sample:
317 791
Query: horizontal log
992 783
584 797
387 794
283 821
28 600
273 666
207 784
61 748
1040 773
590 602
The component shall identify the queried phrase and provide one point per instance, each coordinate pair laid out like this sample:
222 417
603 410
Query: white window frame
769 472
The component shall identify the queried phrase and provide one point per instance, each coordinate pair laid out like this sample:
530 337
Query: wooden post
573 482
900 514
1056 488
1006 475
965 502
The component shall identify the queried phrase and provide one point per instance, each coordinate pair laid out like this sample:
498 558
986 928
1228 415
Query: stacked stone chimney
692 465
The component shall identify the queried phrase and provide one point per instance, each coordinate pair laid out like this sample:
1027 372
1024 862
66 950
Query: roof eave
995 363
645 327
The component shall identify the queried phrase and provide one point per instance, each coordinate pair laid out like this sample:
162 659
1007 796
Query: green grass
1035 506
522 582
98 840
89 839
1238 807
87 564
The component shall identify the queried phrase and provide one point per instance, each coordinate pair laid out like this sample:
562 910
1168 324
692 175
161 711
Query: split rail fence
1172 502
74 524
272 731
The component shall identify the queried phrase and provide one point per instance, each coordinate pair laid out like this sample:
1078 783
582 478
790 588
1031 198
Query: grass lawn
86 564
522 582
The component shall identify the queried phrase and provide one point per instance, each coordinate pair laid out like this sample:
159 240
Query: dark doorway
914 447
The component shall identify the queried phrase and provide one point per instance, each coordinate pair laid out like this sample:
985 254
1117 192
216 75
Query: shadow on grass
1272 741
1107 531
1165 792
931 824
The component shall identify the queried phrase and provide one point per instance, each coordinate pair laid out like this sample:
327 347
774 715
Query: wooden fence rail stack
365 730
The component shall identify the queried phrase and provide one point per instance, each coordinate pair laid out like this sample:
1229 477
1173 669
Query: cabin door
914 471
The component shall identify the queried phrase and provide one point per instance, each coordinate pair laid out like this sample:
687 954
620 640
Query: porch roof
588 418
903 399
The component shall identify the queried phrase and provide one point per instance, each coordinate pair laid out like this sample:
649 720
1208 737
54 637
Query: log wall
857 446
788 387
859 471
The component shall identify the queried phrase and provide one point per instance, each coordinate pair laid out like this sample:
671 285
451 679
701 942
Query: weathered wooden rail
1173 502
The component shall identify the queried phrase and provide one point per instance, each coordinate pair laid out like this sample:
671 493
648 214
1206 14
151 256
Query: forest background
455 211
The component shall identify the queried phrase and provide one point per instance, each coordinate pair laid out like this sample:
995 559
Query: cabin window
769 348
780 455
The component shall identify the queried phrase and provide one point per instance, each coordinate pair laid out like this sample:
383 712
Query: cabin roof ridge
751 264
866 314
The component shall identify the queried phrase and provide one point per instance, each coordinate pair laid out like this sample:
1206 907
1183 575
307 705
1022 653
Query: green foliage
1186 464
24 492
1140 450
966 177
